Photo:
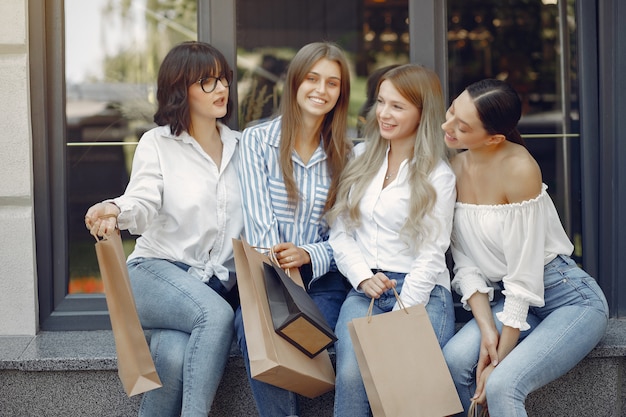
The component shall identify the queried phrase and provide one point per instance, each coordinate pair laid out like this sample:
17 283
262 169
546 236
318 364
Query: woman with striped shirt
290 167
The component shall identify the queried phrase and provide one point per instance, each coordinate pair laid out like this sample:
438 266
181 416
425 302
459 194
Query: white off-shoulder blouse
508 244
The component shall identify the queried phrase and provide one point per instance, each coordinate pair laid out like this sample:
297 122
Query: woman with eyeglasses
290 169
183 198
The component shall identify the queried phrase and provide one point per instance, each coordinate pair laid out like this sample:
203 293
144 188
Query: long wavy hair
185 64
334 127
421 87
499 108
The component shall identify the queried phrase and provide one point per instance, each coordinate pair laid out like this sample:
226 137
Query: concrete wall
18 281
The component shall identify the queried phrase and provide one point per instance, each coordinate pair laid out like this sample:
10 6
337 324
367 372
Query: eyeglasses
208 84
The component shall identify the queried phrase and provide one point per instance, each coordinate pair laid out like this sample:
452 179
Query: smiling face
463 128
398 118
319 91
208 105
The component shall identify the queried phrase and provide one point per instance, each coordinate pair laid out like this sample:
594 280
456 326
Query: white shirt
182 205
377 244
508 243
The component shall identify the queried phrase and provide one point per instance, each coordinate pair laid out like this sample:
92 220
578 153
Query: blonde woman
391 223
290 170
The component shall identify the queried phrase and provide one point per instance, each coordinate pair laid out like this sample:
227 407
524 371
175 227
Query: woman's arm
494 347
142 199
261 227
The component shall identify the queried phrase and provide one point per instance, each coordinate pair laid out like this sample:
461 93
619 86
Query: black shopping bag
295 315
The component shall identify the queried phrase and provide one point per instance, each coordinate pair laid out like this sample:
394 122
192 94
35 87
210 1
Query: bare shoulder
521 175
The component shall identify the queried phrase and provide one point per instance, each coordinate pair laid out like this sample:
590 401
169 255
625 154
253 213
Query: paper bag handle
371 307
105 216
473 411
273 258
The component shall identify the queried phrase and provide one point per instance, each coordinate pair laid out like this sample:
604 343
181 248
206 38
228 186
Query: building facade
67 137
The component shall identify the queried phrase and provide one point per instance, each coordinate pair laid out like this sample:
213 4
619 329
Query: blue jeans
328 292
350 396
562 333
192 331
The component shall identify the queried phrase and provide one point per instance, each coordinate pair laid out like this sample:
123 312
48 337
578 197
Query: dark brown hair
499 108
184 65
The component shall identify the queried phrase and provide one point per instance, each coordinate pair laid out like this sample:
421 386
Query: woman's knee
502 385
168 349
212 307
457 359
348 372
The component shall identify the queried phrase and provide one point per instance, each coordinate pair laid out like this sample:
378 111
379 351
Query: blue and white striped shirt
268 217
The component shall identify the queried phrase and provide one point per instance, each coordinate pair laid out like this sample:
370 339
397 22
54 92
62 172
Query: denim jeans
562 333
328 292
350 396
192 331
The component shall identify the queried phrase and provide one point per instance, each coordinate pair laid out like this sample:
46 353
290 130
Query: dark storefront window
112 54
97 95
111 51
373 34
532 45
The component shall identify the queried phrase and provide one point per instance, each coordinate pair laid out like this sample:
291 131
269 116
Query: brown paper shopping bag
272 358
403 368
134 362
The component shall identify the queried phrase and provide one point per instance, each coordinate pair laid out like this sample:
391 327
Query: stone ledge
95 350
38 380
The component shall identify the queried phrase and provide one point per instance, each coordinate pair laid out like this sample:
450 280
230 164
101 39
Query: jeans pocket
595 295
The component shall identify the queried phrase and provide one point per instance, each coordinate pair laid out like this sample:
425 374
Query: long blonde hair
334 127
421 87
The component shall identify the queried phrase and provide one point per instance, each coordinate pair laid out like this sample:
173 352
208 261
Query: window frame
602 238
57 309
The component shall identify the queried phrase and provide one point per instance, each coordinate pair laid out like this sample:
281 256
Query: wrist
116 209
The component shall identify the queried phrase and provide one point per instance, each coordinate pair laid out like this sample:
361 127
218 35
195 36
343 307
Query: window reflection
114 47
373 33
113 51
516 42
532 45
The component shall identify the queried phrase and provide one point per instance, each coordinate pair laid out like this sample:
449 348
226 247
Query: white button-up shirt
183 205
377 244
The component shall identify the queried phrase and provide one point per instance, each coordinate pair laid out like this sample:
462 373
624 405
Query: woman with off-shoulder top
507 234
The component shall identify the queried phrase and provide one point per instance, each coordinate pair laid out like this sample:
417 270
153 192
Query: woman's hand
488 357
289 255
101 219
480 396
481 309
375 286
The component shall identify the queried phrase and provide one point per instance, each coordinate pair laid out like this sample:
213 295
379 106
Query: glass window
532 45
113 50
373 33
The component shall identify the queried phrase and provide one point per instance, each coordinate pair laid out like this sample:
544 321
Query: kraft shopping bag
295 315
403 368
272 358
136 369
